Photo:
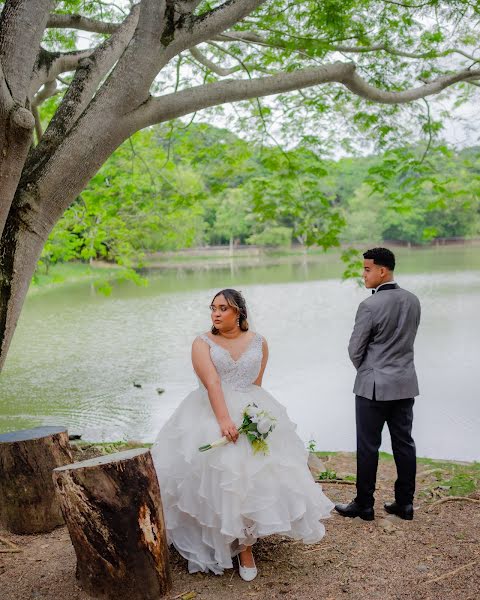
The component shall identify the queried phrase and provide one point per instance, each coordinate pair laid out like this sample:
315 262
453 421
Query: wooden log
113 510
28 503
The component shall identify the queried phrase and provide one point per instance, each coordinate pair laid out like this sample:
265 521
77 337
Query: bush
272 236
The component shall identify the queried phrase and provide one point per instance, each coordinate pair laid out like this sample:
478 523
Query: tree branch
38 123
206 62
22 24
362 88
170 106
48 90
186 6
395 52
51 64
221 18
56 21
89 73
254 38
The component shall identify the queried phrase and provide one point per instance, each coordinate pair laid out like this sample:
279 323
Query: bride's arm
205 369
258 380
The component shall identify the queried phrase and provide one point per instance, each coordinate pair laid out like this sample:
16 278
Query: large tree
163 59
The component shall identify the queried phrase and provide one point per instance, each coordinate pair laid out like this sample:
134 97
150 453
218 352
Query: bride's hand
228 429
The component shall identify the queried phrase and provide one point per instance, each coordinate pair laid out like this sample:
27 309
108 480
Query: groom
381 349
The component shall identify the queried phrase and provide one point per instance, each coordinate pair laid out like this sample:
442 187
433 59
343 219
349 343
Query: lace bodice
240 373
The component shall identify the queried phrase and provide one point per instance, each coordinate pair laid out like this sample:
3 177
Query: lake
76 354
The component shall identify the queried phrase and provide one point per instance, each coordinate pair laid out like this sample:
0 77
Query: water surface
76 354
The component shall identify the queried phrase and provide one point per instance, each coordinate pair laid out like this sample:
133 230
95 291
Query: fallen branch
452 499
450 573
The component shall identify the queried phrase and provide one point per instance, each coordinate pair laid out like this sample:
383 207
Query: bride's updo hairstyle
236 301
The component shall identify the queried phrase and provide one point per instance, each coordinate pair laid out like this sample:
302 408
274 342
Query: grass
454 478
450 478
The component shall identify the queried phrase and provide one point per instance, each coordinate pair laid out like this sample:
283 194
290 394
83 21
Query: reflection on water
76 354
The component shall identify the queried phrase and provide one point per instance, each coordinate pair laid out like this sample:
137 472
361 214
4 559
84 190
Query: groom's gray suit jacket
381 345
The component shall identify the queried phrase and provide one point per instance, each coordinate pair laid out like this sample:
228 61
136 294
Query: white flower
264 425
255 419
252 411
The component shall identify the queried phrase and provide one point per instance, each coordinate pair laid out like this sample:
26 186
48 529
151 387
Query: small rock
160 390
137 385
387 525
422 568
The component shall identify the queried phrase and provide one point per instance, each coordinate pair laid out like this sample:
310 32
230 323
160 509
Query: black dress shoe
355 510
404 511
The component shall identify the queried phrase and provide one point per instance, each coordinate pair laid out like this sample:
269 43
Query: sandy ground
434 557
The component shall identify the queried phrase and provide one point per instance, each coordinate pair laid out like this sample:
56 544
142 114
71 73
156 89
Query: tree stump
113 510
28 503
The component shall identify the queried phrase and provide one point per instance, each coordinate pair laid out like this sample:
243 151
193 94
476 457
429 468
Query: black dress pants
371 416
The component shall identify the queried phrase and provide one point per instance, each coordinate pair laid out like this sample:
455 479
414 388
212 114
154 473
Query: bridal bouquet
257 425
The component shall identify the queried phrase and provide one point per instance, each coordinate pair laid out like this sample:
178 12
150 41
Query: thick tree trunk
113 511
28 503
21 244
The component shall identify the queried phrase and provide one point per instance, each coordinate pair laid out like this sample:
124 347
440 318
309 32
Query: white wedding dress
216 500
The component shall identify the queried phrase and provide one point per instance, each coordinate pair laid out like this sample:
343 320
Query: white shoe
246 573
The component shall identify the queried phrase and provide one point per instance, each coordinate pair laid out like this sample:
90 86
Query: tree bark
113 511
21 243
27 495
16 134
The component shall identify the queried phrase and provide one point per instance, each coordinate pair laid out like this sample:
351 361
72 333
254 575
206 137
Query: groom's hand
228 429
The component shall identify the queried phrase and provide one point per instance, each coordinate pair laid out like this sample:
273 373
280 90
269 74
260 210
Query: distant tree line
173 187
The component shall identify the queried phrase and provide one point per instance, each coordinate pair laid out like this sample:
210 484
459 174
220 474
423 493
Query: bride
219 502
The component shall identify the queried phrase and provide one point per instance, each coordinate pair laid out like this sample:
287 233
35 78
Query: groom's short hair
383 257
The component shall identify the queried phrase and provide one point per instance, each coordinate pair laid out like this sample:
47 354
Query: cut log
28 503
113 510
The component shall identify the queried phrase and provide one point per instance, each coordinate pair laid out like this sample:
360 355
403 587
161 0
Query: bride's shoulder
258 335
202 338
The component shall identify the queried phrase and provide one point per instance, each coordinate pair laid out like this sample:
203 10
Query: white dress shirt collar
386 283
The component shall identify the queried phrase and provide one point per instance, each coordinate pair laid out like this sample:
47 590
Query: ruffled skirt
215 502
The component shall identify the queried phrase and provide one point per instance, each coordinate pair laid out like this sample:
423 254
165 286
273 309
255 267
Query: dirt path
436 556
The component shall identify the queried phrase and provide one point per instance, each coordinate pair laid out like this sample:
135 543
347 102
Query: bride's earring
238 321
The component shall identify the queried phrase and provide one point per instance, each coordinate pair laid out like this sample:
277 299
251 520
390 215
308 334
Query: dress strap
205 338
